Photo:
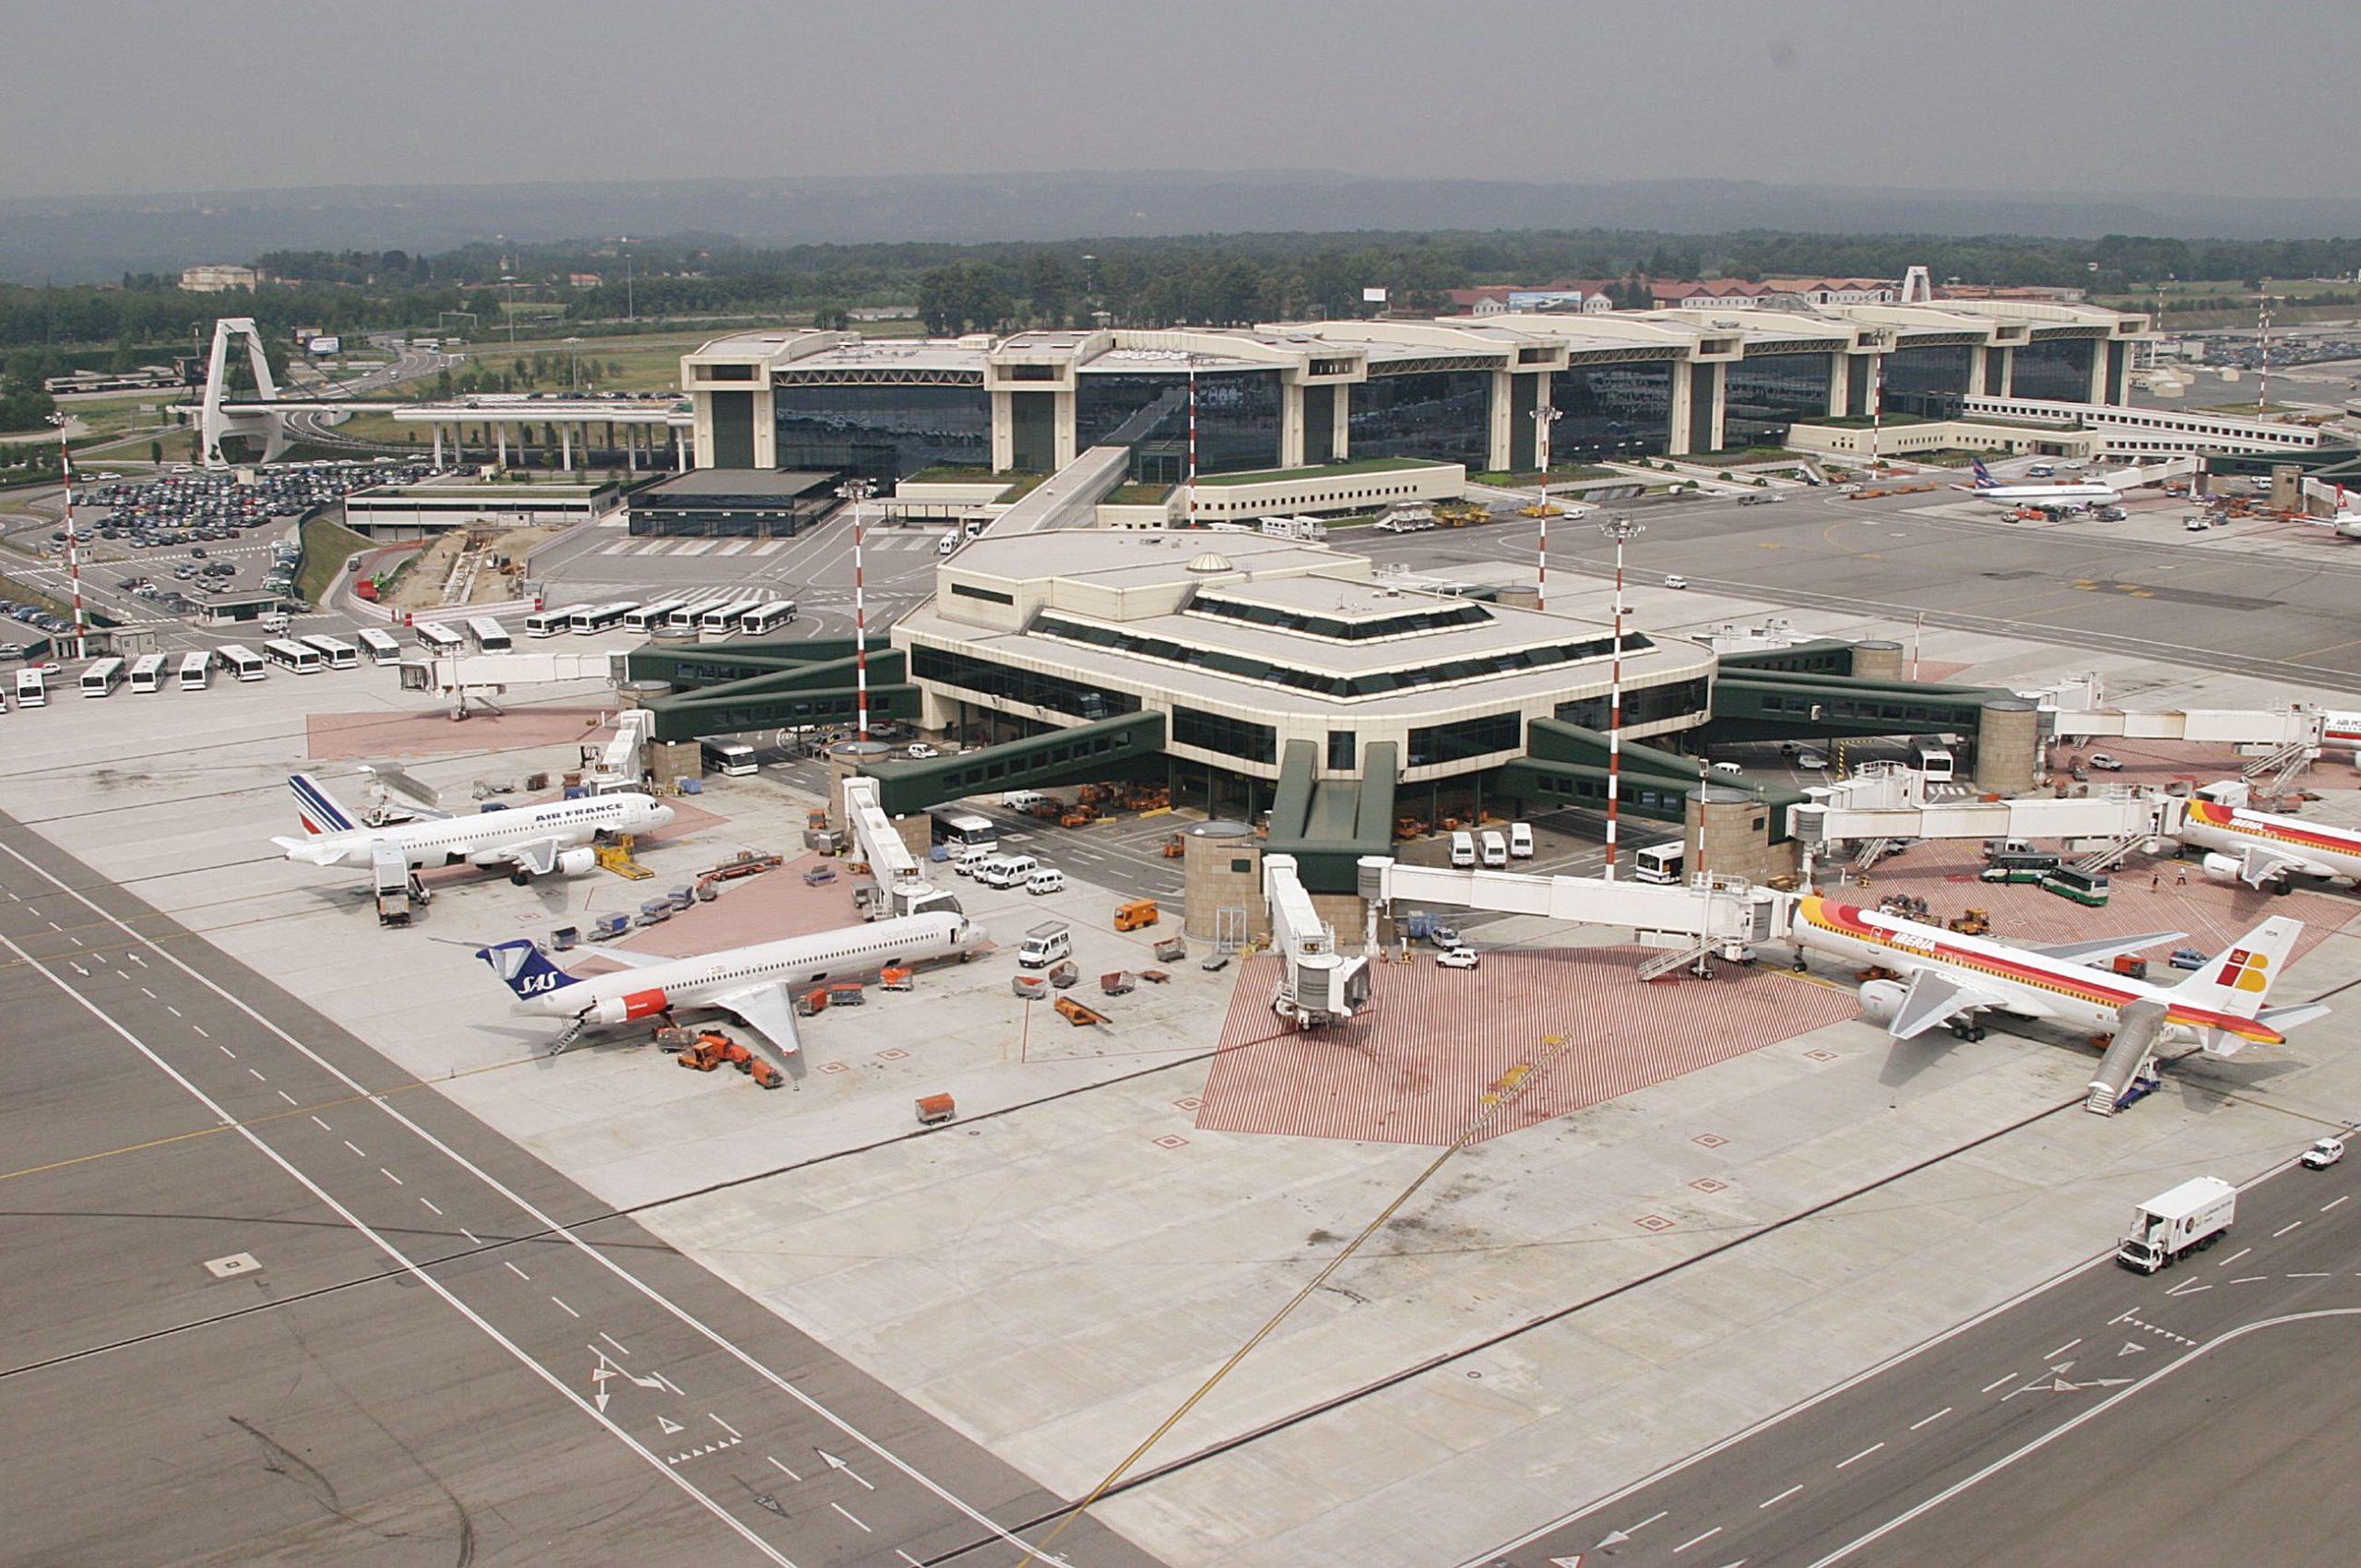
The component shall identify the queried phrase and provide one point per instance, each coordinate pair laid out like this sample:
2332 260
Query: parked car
1811 759
1457 958
2106 762
922 751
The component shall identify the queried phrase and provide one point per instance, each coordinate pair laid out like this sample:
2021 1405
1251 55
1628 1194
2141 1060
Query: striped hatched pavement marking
1415 1068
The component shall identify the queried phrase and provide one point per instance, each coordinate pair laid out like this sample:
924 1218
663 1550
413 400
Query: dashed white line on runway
1861 1456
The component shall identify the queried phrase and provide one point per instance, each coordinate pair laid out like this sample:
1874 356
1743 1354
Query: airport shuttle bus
722 619
598 617
380 646
101 679
652 617
240 661
765 619
548 623
32 689
335 652
1658 862
197 671
489 635
721 755
147 672
1931 756
439 640
298 657
687 617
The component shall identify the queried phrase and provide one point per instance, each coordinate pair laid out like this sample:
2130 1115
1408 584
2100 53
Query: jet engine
1882 999
2224 868
577 863
624 1009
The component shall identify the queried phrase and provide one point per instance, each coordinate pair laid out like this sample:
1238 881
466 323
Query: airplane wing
539 855
2260 864
2104 950
1935 998
765 1010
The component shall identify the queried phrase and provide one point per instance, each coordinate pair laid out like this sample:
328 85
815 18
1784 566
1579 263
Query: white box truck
2173 1223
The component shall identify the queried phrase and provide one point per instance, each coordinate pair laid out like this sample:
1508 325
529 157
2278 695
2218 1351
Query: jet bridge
1888 801
1317 984
1711 916
897 871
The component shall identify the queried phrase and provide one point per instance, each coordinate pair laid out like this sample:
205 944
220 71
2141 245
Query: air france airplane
751 984
528 842
1949 979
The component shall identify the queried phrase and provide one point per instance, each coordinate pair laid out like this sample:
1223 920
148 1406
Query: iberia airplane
1951 979
2260 848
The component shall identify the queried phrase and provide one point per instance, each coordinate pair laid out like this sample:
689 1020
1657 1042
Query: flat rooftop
728 484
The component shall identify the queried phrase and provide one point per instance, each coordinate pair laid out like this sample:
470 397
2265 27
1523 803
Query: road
2190 1417
382 1328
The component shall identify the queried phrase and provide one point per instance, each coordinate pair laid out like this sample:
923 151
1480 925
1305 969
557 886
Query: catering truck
2185 1220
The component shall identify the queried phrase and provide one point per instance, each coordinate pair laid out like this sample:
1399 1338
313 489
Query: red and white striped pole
858 491
73 536
1619 530
1193 441
1543 417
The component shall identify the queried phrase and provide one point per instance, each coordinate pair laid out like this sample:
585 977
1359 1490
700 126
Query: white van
1044 945
1729 767
950 542
1463 851
1496 849
1007 870
968 862
1520 840
1022 800
1049 879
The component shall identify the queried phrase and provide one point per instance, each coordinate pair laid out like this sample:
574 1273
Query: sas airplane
1987 487
2257 848
1949 979
751 984
528 842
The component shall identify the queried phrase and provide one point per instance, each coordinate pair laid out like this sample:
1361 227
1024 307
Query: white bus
1931 756
548 623
380 646
652 617
301 658
489 635
241 660
197 671
724 756
101 679
686 617
722 619
768 618
335 652
438 639
147 672
32 689
600 617
1658 862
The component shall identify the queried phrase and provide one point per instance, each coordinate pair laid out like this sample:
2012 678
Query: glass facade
898 430
1642 705
1493 733
1342 753
1231 736
1768 392
1941 367
1033 432
733 429
1319 424
989 678
1610 409
1439 414
1238 420
1704 380
2056 368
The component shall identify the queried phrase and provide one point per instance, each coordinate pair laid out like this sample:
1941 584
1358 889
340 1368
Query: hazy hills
80 238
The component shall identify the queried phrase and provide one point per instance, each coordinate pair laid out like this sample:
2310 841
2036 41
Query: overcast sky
113 96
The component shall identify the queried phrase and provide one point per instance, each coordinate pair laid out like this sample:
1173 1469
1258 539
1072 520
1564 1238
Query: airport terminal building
1674 383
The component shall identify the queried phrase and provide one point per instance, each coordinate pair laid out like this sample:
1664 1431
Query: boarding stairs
2282 766
2110 855
1871 853
1663 964
2128 1058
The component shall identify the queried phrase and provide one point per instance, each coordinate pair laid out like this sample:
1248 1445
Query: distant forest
1202 279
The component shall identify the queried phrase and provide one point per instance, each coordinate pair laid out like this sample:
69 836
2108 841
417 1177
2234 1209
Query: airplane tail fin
316 809
1984 479
2238 981
522 965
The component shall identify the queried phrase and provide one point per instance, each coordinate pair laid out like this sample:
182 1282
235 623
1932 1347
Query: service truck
399 891
2177 1222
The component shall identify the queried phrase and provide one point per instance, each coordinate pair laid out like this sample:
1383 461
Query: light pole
508 285
73 535
1544 416
574 344
1619 530
857 490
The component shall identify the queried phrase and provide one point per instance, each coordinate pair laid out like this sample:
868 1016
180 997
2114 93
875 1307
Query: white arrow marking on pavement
2132 1348
1612 1538
835 1464
1574 1561
668 1426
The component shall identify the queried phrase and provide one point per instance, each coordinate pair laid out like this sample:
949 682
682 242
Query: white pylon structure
214 422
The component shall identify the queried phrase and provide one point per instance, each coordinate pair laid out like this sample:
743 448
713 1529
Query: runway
273 1300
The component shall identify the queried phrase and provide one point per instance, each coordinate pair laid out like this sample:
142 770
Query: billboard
325 345
1372 296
